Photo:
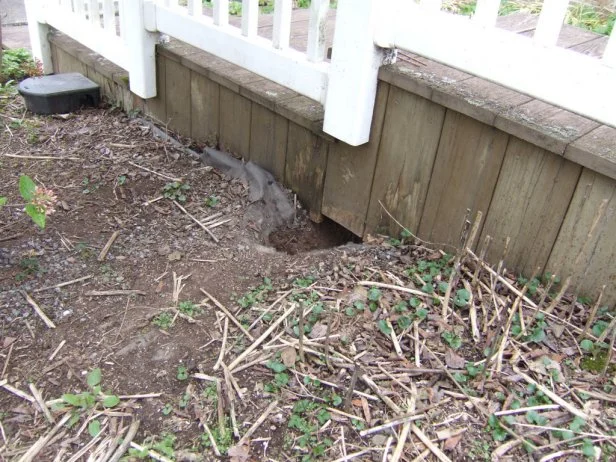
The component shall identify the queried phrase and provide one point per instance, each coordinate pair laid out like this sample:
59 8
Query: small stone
175 255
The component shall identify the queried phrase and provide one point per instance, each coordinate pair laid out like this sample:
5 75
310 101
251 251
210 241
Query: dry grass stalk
31 453
399 449
223 347
228 314
203 227
258 422
16 391
41 314
393 423
41 402
105 251
114 293
211 438
550 394
260 340
63 284
151 453
440 455
57 350
162 175
220 408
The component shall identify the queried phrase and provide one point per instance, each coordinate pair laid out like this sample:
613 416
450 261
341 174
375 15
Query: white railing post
221 12
316 30
550 22
250 17
93 14
609 54
195 8
78 8
109 15
353 72
486 12
141 46
38 30
282 24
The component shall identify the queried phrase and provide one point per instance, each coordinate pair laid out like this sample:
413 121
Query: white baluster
316 30
93 14
609 55
250 17
109 15
486 12
550 22
221 12
195 8
78 4
282 23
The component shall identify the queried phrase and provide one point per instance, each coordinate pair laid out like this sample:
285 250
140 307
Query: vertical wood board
234 123
409 141
268 140
597 262
178 97
204 108
530 201
465 171
305 167
350 170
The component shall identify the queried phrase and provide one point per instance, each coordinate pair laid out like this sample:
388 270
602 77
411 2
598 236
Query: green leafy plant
40 201
212 201
30 266
306 418
91 399
17 64
182 372
176 191
222 436
163 320
256 295
189 308
452 339
281 378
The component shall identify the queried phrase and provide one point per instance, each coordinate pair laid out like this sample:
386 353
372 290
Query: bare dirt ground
172 346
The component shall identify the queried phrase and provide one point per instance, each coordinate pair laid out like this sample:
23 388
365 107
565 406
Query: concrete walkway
14 24
12 12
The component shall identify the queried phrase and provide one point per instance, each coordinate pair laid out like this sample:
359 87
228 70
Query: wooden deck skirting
442 141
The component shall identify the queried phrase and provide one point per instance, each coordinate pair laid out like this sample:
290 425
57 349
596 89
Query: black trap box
59 93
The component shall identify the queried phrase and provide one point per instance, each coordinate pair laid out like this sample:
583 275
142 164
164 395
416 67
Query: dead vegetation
166 329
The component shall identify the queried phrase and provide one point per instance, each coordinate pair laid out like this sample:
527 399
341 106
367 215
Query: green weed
163 320
176 191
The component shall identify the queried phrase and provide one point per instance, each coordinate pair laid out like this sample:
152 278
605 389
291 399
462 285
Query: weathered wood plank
409 141
350 171
594 47
529 205
69 63
156 108
234 123
595 150
305 167
177 78
591 260
205 108
465 171
544 125
517 22
268 140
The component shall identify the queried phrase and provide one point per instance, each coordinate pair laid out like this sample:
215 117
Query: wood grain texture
177 78
268 140
465 171
156 108
205 108
234 123
595 150
590 260
409 141
305 167
530 201
350 170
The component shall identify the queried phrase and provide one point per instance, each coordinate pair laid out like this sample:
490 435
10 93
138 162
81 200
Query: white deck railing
126 32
